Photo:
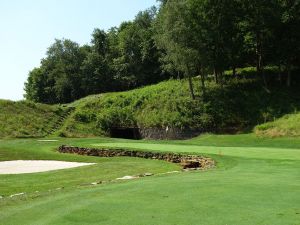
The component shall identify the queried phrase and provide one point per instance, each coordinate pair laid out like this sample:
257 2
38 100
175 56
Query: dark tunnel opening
126 133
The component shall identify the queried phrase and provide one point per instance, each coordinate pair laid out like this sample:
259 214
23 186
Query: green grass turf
28 119
255 183
237 105
106 168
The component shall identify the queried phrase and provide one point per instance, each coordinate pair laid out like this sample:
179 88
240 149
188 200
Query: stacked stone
186 161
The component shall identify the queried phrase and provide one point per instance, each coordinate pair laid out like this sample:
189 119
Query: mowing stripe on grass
254 152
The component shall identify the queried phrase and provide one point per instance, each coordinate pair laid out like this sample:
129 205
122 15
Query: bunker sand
36 166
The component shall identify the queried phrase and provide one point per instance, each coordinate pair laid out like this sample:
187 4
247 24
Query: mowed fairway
257 181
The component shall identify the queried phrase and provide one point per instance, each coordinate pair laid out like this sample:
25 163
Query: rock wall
168 133
186 161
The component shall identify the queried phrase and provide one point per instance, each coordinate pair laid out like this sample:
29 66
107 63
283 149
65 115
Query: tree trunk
234 71
203 83
258 54
191 87
221 77
264 76
280 74
216 76
289 78
188 74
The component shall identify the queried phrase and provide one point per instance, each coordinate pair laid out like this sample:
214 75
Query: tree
217 34
261 17
184 38
96 74
35 87
137 62
173 37
288 36
58 78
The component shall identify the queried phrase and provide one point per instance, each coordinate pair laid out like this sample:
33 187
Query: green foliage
288 125
119 59
115 117
84 116
28 119
57 80
236 106
137 61
182 37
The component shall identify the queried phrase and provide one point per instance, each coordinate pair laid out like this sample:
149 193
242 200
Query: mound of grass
27 119
288 125
237 105
161 105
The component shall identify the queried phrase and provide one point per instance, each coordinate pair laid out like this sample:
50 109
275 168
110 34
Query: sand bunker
35 166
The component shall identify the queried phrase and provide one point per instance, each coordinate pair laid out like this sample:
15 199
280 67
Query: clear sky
29 27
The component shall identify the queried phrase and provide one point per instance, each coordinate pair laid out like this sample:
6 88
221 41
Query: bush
288 125
84 117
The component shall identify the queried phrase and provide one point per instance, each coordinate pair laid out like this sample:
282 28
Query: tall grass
288 125
235 106
27 119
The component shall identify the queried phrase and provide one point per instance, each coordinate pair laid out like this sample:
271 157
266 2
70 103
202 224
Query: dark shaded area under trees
183 38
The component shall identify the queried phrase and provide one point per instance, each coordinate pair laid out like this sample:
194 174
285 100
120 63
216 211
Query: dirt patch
36 166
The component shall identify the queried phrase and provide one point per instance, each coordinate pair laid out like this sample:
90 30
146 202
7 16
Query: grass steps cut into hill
60 121
27 119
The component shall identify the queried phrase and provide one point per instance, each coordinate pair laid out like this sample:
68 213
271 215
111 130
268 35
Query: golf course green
150 112
256 181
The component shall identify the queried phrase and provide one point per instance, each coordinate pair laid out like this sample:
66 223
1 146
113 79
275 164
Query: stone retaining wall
168 133
186 161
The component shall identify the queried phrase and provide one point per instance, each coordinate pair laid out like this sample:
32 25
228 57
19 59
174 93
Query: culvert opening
125 132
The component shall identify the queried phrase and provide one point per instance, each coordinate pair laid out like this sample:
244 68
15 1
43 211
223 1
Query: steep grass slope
27 119
234 106
288 125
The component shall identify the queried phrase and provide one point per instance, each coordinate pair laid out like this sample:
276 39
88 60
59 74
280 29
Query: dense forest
179 39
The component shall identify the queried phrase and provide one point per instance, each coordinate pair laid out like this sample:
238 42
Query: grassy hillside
27 119
288 125
236 106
